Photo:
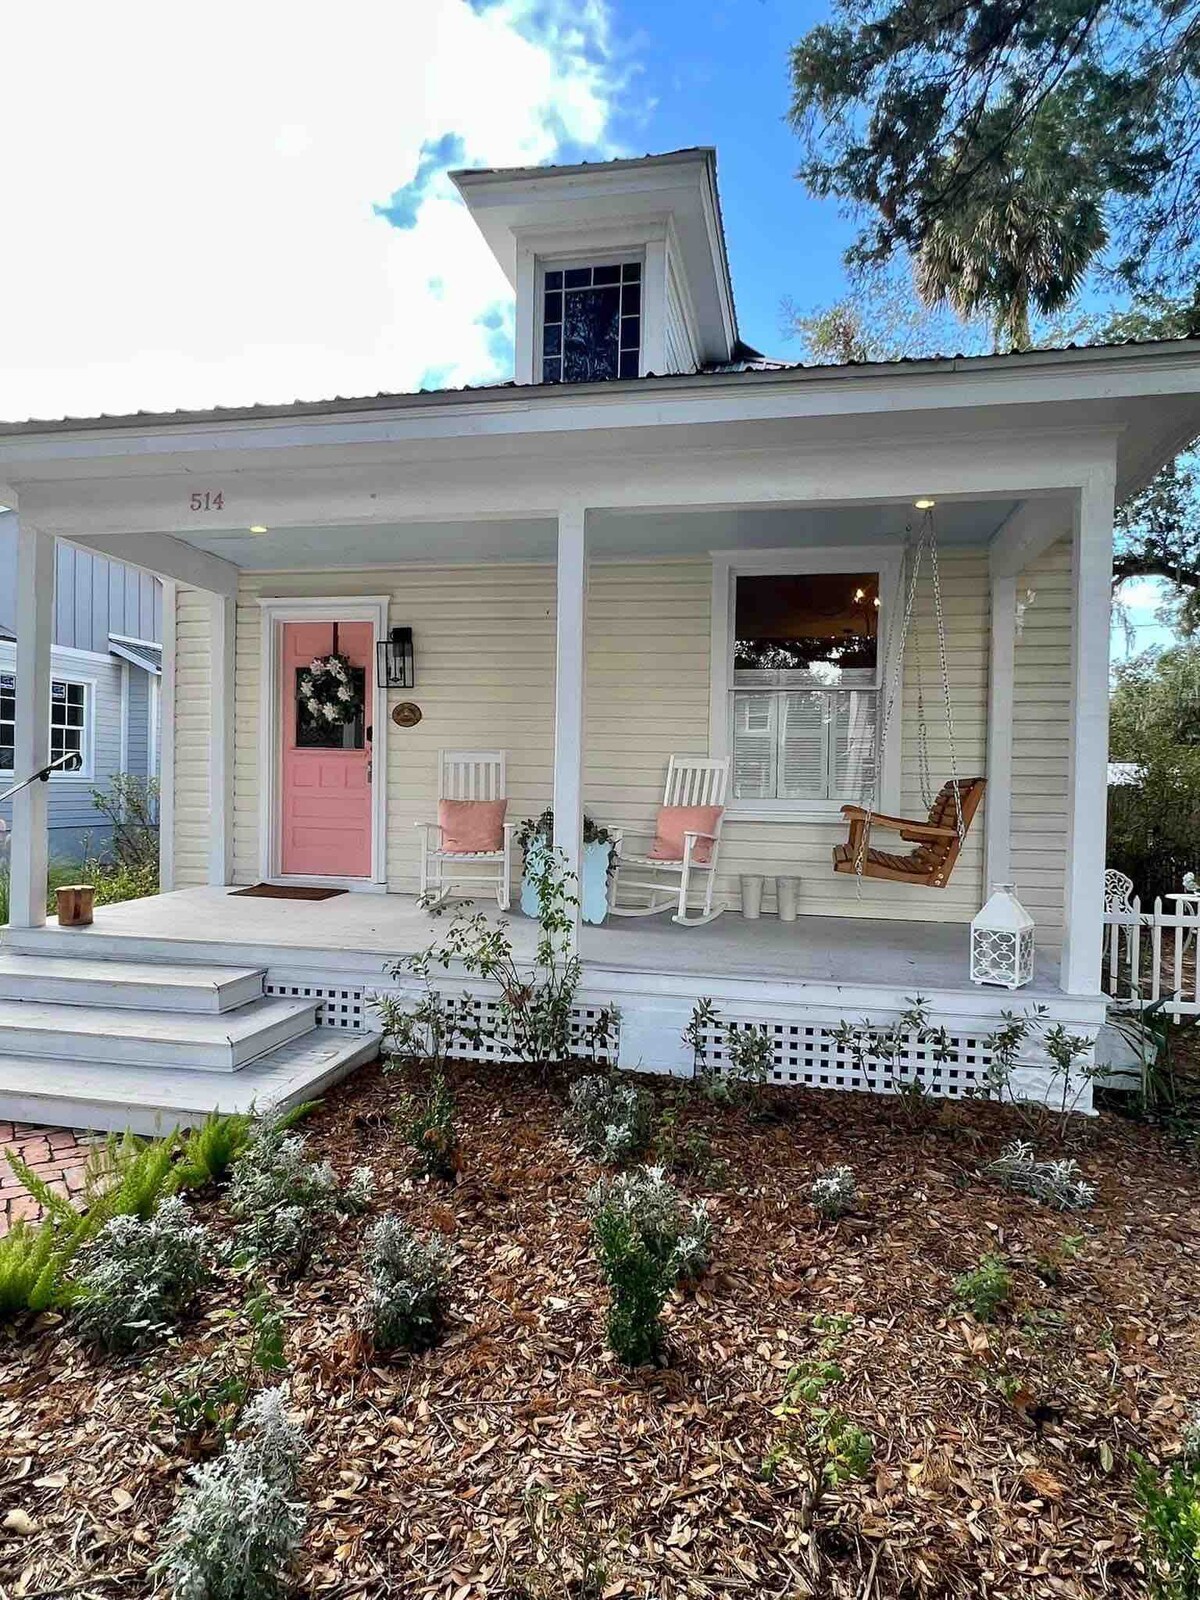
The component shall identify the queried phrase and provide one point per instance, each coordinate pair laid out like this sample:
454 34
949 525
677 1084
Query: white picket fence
1152 954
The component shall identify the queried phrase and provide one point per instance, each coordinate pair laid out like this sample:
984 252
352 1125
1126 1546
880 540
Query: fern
35 1260
127 1176
210 1150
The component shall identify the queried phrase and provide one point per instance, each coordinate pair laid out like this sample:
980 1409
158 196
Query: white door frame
348 608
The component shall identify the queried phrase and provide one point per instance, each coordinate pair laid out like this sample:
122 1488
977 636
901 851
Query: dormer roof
677 190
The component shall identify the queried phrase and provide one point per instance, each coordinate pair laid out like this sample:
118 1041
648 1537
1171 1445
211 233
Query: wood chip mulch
515 1453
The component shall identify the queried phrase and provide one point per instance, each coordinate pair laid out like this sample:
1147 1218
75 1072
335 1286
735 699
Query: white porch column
569 689
998 806
223 628
1087 784
29 860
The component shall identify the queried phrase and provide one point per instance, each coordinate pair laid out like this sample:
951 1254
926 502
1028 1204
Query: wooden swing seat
928 866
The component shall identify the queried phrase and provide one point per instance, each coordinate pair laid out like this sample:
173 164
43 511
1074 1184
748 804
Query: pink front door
325 769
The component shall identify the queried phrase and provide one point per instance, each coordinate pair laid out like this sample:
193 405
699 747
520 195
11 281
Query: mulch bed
1003 1452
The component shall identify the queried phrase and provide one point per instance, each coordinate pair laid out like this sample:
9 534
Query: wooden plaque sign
405 714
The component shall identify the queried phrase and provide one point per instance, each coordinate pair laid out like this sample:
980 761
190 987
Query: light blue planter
594 898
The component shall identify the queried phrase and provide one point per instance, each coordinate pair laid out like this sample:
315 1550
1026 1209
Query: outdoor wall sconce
397 669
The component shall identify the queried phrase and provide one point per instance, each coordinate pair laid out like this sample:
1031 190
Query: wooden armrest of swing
904 826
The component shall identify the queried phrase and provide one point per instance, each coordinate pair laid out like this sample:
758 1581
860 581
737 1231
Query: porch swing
938 838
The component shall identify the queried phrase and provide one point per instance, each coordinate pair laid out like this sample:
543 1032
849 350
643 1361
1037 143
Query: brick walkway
55 1154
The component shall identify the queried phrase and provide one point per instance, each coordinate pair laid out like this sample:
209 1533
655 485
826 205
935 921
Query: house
597 562
105 673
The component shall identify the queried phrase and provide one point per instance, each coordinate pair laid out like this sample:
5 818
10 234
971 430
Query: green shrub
985 1289
747 1054
815 1437
35 1263
427 1121
647 1239
236 1529
1171 1530
139 1277
408 1277
609 1118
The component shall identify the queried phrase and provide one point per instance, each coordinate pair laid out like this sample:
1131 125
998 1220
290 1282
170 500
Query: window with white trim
591 322
70 709
804 688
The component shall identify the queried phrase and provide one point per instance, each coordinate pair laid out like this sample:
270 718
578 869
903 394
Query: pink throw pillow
471 827
674 821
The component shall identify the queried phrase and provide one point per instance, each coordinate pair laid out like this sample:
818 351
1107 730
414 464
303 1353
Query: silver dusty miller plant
140 1277
609 1118
286 1204
834 1193
1055 1183
238 1524
408 1275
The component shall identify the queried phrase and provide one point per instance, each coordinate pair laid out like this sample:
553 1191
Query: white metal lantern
1002 941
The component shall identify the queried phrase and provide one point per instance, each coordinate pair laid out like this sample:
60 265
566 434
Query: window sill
803 811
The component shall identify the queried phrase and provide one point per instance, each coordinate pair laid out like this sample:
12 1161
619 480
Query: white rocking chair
691 781
466 775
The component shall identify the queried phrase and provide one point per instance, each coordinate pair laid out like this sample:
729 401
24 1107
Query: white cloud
188 199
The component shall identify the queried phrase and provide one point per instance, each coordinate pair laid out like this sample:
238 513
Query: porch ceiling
611 535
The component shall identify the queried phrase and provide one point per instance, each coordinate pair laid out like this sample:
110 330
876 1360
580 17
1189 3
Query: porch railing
1152 955
70 762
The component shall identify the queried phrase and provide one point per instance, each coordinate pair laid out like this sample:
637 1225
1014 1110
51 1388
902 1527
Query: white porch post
223 627
569 690
1087 784
998 806
29 860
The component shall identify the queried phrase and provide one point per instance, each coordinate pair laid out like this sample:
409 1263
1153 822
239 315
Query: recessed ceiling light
923 504
258 528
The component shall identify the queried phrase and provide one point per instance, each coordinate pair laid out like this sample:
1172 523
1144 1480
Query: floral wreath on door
328 691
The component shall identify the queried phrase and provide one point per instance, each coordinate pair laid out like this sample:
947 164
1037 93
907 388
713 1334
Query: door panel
326 806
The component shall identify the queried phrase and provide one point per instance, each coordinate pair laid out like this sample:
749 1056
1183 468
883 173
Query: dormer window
592 322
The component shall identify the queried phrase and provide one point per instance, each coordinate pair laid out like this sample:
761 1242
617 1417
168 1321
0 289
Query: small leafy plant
426 1119
834 1192
1171 1529
208 1153
891 1056
678 1148
568 1549
1055 1183
140 1278
647 1239
1071 1068
236 1529
408 1275
609 1118
815 1438
209 1395
986 1289
743 1050
1052 1264
429 1032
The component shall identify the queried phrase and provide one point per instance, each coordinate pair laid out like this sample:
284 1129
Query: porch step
155 1099
164 1039
127 985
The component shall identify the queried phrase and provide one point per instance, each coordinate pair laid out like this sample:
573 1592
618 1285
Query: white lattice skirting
338 1006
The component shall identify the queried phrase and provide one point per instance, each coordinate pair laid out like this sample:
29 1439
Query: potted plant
599 863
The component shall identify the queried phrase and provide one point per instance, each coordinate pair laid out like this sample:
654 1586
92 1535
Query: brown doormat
288 891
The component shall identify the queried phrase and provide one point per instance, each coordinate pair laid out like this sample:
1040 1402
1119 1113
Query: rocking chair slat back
696 781
932 862
471 775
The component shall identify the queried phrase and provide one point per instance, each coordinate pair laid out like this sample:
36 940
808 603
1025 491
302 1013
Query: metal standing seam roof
746 365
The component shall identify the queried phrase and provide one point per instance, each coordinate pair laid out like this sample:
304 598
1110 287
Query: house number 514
205 500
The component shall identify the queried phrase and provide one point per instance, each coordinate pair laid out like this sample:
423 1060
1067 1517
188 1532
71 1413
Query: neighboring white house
576 554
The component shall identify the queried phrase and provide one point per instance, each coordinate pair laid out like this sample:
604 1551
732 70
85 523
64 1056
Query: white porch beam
569 691
29 861
1001 670
166 557
1087 784
1027 533
222 635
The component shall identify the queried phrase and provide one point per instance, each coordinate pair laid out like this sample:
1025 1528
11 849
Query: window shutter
754 747
854 730
802 746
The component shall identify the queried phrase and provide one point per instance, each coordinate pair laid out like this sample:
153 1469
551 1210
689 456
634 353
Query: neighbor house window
592 322
68 720
804 702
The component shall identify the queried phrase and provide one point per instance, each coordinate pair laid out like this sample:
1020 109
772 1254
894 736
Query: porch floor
911 956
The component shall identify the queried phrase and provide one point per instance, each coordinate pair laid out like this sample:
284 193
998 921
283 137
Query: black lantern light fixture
397 669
